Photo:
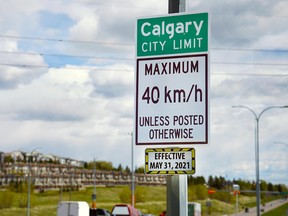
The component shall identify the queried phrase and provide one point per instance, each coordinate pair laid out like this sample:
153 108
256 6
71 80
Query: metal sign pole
176 6
173 6
177 195
177 184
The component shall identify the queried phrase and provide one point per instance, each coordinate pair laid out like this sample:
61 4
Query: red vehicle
124 210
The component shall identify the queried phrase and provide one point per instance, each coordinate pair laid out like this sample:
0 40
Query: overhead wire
64 55
63 67
132 59
67 67
128 59
132 45
64 40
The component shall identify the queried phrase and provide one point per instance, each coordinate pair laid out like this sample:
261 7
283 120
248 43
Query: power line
65 55
251 63
129 59
64 40
132 59
250 50
249 74
66 67
131 45
131 70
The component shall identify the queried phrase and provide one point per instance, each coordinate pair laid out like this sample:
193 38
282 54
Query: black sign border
206 102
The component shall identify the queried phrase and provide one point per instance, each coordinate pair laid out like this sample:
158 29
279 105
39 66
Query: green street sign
173 34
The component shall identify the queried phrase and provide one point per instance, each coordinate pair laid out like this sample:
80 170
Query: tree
196 180
270 187
200 180
127 170
263 185
139 169
104 165
210 181
119 168
85 165
8 159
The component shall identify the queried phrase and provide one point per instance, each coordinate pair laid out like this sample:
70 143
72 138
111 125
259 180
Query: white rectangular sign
172 100
170 161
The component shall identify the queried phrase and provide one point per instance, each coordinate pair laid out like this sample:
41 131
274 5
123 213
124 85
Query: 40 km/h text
153 94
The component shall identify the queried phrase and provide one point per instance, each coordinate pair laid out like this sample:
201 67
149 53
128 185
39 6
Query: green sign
174 34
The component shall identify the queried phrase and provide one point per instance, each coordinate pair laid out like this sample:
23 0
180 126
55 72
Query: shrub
125 195
197 192
22 201
6 199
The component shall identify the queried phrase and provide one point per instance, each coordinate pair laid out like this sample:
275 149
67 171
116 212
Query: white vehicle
194 209
73 208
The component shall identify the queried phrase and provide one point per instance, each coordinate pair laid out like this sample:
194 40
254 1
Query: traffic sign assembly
172 103
170 161
172 86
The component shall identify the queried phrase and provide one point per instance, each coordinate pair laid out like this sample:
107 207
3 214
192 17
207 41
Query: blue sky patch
54 21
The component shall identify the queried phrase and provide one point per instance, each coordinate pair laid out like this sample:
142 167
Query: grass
280 211
153 201
107 197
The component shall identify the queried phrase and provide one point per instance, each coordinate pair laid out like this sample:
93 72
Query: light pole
132 171
94 185
257 118
29 183
281 143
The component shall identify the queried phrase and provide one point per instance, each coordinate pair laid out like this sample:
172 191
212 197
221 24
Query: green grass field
107 197
151 199
280 211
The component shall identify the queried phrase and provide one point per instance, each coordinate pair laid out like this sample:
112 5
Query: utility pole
132 172
29 182
94 196
29 185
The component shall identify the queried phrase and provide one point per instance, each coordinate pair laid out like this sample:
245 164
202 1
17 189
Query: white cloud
84 107
86 28
15 70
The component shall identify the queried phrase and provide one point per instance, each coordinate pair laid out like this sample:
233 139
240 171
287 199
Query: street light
281 143
29 182
94 196
132 172
257 118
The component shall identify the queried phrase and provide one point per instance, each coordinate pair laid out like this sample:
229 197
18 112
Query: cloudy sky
67 81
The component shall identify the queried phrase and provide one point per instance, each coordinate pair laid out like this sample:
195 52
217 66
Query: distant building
52 172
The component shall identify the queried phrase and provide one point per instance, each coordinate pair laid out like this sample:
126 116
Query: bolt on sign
170 161
172 82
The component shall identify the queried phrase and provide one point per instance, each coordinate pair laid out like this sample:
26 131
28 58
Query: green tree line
213 182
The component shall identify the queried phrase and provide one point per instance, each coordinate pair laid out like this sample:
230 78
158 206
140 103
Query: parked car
76 208
99 212
124 210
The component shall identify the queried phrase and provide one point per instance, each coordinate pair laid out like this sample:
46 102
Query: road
269 206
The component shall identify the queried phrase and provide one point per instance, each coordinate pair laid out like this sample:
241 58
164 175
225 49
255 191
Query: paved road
267 207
